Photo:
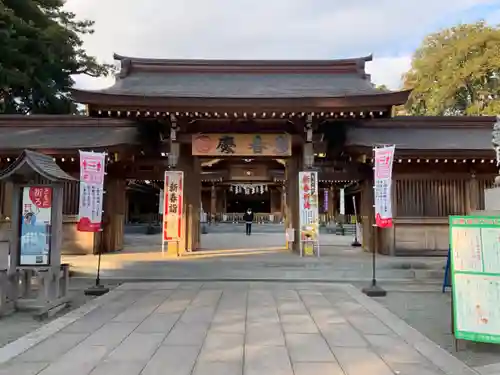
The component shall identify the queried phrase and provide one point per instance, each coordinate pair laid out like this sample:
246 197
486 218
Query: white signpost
342 201
173 197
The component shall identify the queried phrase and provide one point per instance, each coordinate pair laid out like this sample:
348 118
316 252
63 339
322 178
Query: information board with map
475 266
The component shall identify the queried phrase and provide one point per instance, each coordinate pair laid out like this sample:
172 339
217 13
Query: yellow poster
235 144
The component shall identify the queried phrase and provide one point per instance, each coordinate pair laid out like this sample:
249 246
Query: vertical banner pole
355 242
99 252
383 157
93 177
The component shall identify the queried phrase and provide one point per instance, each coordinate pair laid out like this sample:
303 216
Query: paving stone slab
369 325
158 323
81 360
302 323
52 348
317 369
267 360
264 334
187 334
191 330
22 344
361 361
110 335
222 347
218 368
342 335
148 286
308 348
194 315
137 347
415 369
20 368
178 360
118 368
395 350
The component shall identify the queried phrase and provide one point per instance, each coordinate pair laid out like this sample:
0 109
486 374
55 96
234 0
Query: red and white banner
172 205
308 206
384 158
91 191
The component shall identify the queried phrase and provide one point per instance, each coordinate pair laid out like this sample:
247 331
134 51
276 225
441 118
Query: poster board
35 237
475 267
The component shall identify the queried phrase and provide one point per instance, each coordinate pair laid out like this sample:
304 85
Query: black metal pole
374 267
374 290
98 276
355 243
98 289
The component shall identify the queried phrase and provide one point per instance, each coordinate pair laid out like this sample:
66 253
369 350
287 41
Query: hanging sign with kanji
384 158
239 144
172 205
91 191
309 208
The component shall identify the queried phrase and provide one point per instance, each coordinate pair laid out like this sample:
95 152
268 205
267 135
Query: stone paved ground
21 323
226 329
142 259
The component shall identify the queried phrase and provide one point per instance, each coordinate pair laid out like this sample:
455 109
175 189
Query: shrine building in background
241 131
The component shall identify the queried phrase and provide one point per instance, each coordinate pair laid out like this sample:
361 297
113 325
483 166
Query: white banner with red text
384 158
91 191
173 191
308 208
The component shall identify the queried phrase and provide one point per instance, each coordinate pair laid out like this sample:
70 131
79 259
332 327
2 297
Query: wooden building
329 112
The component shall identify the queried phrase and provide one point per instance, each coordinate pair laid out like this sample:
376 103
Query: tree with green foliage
382 87
456 72
40 49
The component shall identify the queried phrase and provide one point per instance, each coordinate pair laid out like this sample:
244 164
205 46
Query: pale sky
272 29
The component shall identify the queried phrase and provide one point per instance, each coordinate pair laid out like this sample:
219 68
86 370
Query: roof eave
241 62
102 100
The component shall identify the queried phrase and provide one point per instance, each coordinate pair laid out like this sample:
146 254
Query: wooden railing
238 218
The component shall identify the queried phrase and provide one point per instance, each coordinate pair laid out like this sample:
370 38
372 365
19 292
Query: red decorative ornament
203 143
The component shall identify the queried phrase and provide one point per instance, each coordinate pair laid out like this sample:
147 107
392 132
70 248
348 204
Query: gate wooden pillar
331 202
293 167
213 200
114 214
190 237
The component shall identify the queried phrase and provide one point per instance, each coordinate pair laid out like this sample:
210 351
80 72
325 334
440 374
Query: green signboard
475 265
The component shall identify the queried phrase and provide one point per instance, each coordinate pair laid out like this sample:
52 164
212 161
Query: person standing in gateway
248 217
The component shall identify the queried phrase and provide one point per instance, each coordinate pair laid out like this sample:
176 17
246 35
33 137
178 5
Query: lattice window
430 198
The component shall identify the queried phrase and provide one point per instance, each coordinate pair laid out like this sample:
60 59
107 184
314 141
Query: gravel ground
430 313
